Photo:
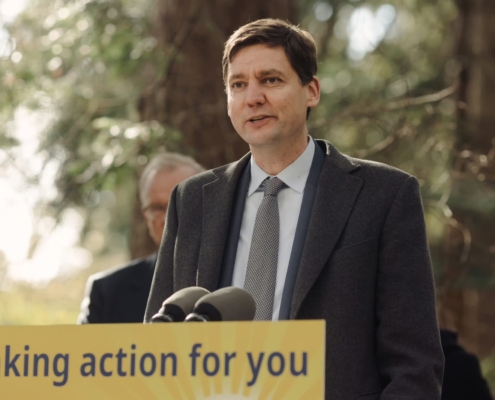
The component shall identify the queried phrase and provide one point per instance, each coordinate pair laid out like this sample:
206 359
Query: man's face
266 101
157 197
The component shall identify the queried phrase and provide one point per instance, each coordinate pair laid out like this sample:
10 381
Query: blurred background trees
467 295
91 89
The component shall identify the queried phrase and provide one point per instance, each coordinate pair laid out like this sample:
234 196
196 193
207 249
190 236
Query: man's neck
275 158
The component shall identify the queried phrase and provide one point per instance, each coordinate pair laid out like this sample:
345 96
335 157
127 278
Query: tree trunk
470 249
189 95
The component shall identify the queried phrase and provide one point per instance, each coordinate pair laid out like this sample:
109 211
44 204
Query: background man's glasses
155 210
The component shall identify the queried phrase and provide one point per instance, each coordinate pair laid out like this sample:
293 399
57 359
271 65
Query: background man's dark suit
365 269
118 295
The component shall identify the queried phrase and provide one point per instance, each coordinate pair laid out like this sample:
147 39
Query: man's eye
271 80
237 85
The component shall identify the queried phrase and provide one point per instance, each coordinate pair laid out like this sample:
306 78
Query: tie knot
273 186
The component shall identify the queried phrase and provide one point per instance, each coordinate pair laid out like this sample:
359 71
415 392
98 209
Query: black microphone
227 304
181 303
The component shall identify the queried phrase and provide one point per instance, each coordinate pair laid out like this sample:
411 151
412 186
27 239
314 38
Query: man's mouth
256 119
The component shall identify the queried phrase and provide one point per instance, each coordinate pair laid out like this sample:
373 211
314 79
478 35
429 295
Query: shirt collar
294 175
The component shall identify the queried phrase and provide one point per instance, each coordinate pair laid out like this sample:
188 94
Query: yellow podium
218 360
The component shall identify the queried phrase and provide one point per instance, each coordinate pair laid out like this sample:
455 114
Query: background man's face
157 197
266 101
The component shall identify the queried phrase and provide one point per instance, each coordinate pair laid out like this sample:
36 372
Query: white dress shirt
289 205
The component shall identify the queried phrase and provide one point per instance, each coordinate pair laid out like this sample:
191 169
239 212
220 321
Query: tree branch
356 110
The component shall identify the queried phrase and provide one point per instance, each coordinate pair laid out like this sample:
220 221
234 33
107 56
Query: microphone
227 304
177 306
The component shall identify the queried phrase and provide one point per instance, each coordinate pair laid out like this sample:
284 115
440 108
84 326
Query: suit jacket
462 379
365 269
118 295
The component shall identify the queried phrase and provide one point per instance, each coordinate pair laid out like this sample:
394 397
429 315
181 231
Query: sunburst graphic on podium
232 361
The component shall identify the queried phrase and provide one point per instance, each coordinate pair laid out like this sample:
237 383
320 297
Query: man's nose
255 95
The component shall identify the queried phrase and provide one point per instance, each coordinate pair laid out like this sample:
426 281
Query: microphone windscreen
227 304
180 304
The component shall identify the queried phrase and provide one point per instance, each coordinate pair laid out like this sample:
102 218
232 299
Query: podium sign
227 360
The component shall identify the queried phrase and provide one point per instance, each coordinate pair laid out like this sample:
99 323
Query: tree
468 296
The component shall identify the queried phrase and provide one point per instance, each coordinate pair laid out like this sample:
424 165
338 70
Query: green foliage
393 104
23 307
84 64
388 104
488 370
56 302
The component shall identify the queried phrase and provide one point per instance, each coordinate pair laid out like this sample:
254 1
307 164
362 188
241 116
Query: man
120 295
326 236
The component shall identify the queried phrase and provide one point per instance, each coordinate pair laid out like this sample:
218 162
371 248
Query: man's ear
313 92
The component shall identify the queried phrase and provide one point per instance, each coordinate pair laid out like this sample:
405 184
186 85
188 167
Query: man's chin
259 139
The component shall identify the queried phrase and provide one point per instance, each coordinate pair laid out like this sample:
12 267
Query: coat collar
336 194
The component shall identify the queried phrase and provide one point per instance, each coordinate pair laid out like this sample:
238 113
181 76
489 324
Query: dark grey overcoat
365 269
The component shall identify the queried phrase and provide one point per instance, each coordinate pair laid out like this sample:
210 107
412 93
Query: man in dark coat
120 295
309 232
462 379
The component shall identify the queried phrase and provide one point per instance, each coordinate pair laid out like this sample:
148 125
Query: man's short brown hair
298 45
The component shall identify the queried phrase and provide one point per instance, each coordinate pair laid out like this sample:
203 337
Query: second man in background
120 295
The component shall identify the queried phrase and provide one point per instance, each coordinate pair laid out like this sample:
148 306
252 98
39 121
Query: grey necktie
261 274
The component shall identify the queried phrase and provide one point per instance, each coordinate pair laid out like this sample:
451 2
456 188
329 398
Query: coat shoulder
380 170
194 185
381 177
369 171
123 274
198 180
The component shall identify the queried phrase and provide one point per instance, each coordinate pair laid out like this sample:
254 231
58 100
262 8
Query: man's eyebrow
262 74
235 76
268 72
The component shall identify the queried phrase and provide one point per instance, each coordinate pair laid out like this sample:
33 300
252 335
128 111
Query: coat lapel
335 197
218 199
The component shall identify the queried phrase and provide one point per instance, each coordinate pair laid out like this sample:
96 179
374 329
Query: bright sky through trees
56 248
